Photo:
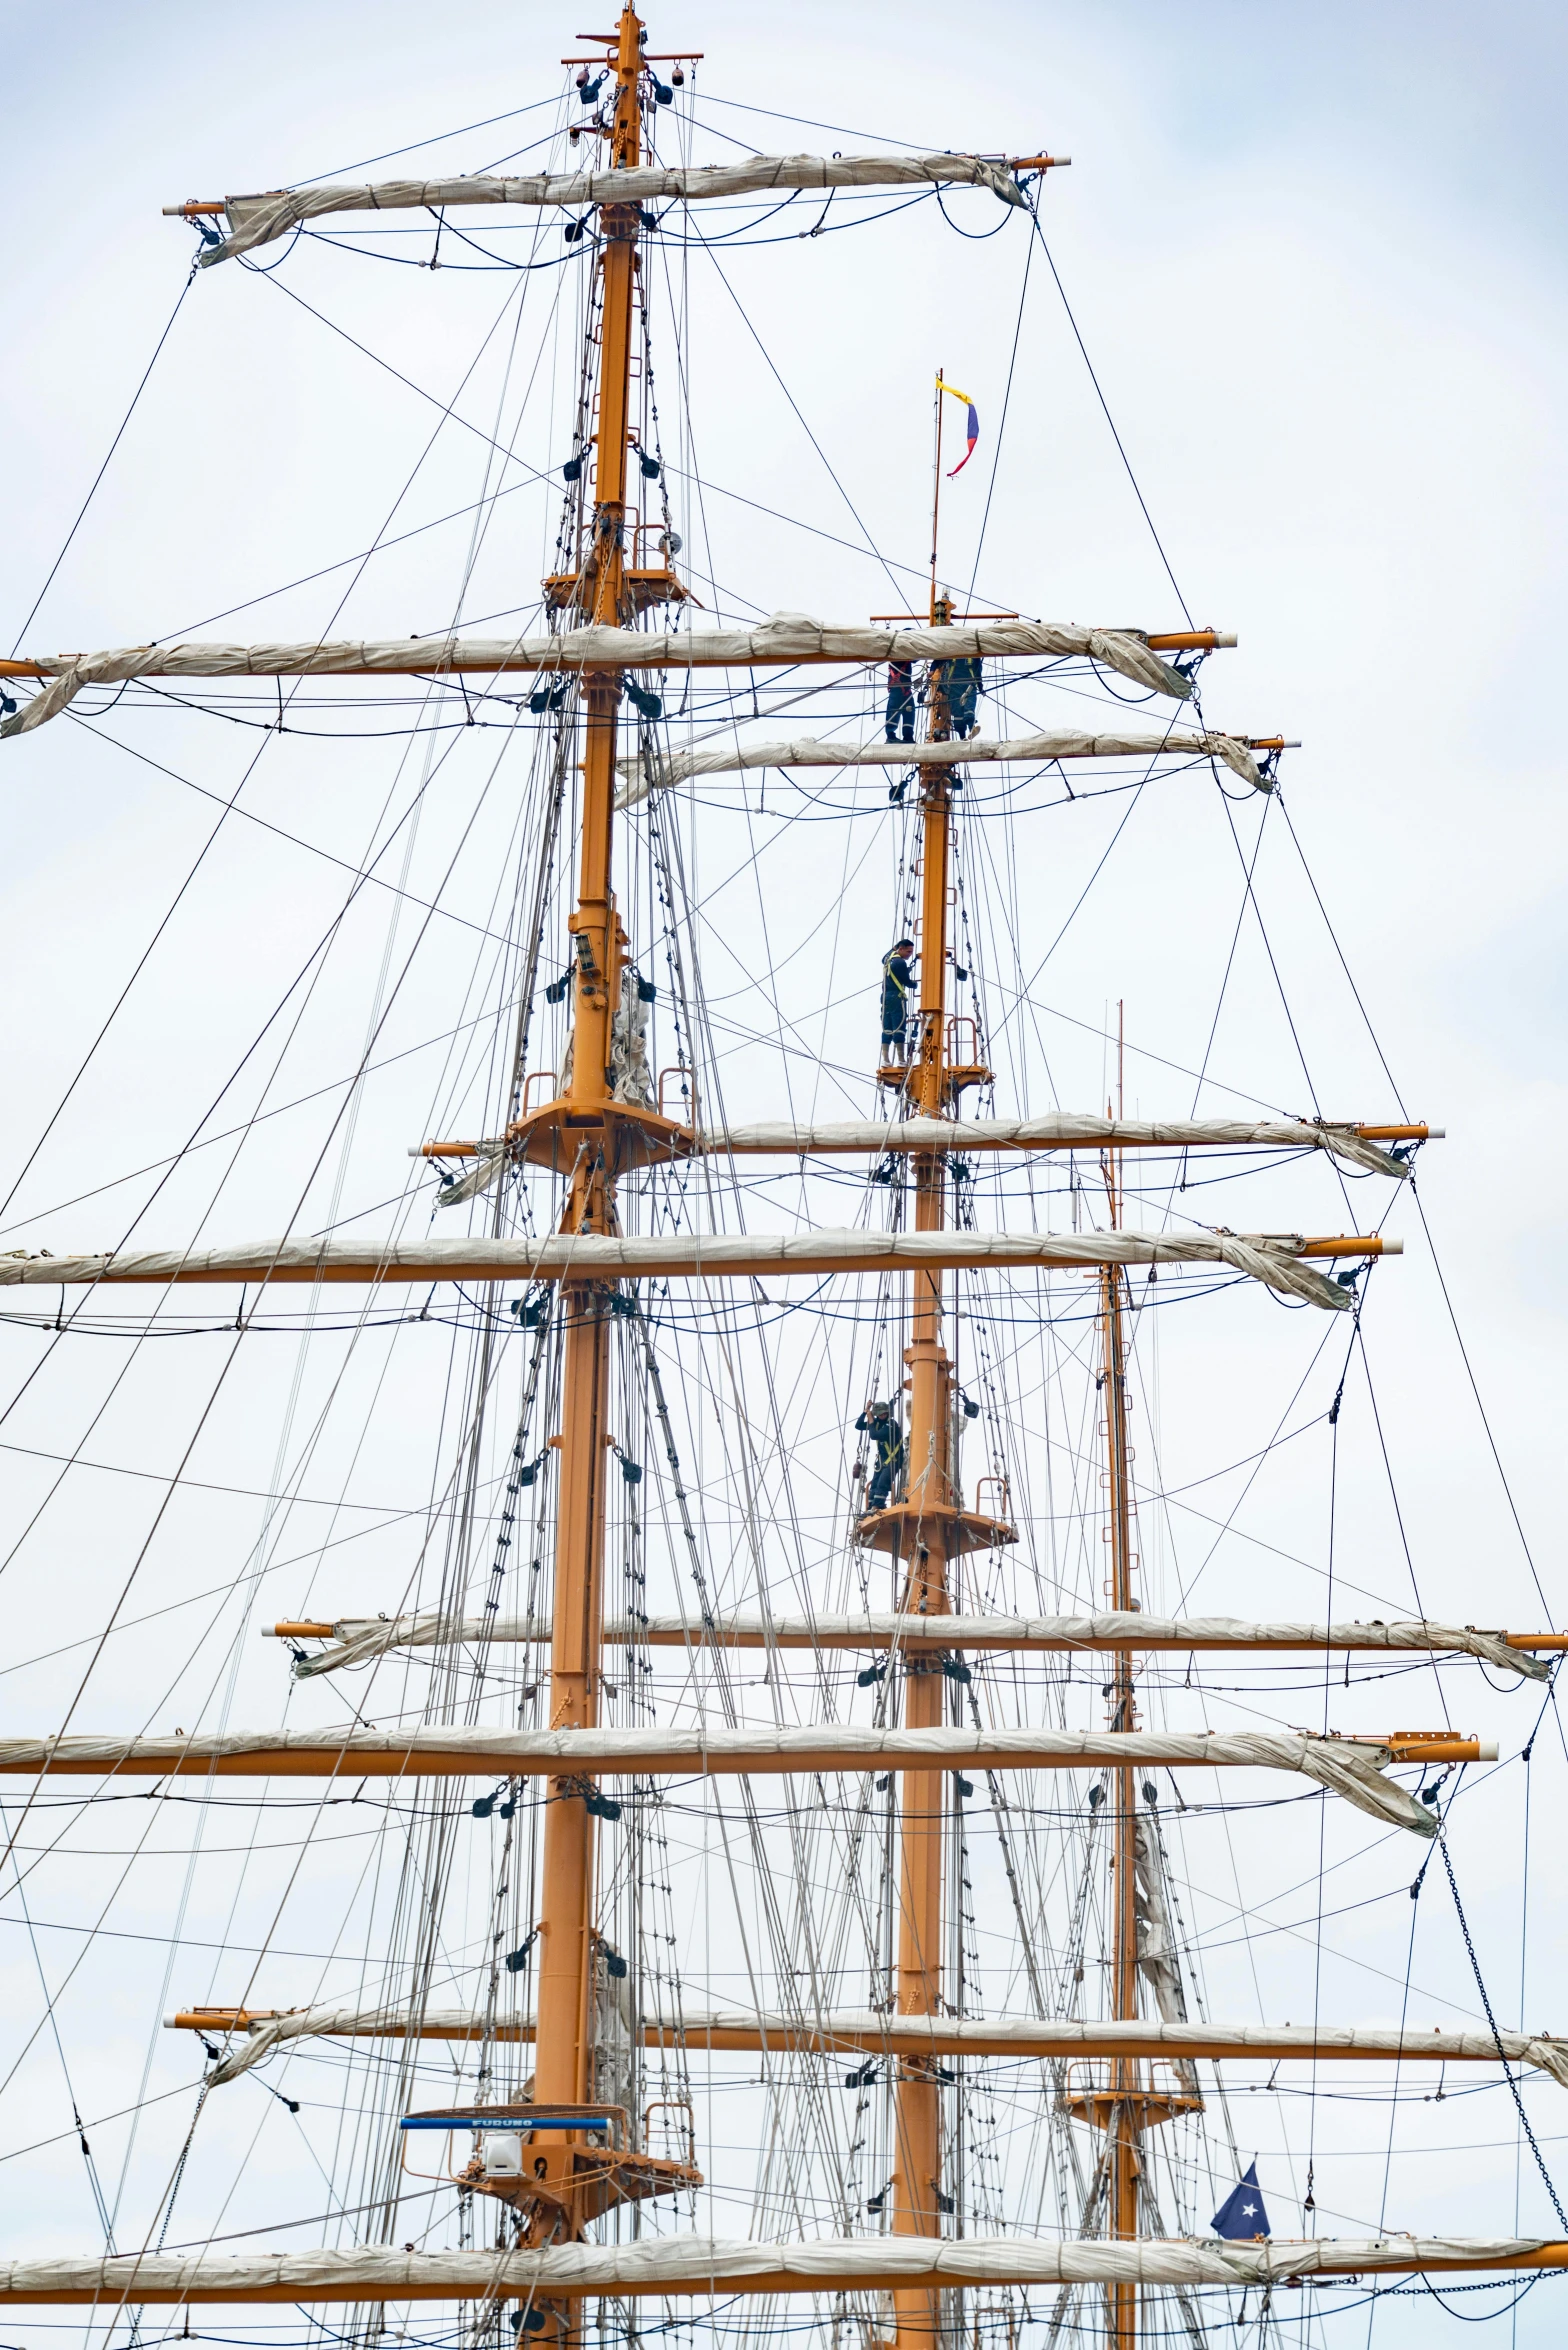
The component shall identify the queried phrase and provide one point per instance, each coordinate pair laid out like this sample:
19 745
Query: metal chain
1480 1984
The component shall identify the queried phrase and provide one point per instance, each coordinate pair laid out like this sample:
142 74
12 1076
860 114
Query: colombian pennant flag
973 428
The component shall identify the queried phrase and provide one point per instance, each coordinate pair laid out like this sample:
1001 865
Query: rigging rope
1508 2071
108 457
1121 451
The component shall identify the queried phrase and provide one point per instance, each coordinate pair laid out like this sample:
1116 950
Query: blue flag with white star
1241 2216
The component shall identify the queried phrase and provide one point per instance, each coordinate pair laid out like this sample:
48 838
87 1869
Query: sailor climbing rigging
901 701
880 1423
897 981
964 687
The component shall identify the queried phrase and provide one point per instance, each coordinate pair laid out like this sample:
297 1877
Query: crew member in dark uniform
964 686
901 701
897 981
887 1444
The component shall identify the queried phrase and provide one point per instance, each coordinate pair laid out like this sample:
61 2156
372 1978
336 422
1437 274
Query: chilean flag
973 429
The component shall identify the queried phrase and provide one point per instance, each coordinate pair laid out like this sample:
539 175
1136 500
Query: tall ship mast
791 1787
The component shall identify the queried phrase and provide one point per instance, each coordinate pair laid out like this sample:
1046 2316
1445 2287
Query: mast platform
523 2162
921 1529
1102 2105
624 1133
957 1076
567 2186
644 585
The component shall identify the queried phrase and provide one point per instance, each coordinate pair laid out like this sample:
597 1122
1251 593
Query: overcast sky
1316 256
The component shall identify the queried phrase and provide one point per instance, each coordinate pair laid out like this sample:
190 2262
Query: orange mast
1124 2116
918 2195
600 1135
926 1527
565 1924
1128 2106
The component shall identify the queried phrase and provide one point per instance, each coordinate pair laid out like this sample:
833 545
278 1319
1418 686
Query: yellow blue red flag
973 426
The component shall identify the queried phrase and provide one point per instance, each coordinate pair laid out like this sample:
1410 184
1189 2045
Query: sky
1316 258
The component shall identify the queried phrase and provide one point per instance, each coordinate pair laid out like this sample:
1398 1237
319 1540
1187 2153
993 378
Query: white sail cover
476 1179
606 1257
1062 1130
1158 1949
1343 1766
260 220
1057 1130
644 775
357 1639
787 637
925 2035
703 2265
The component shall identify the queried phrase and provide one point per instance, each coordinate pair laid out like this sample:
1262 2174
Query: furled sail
869 2031
357 1639
1058 1130
787 637
648 773
479 1177
1061 1130
260 220
704 2265
690 1256
1157 1949
1348 1767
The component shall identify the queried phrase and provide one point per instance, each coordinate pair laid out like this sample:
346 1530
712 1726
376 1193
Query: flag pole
936 493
